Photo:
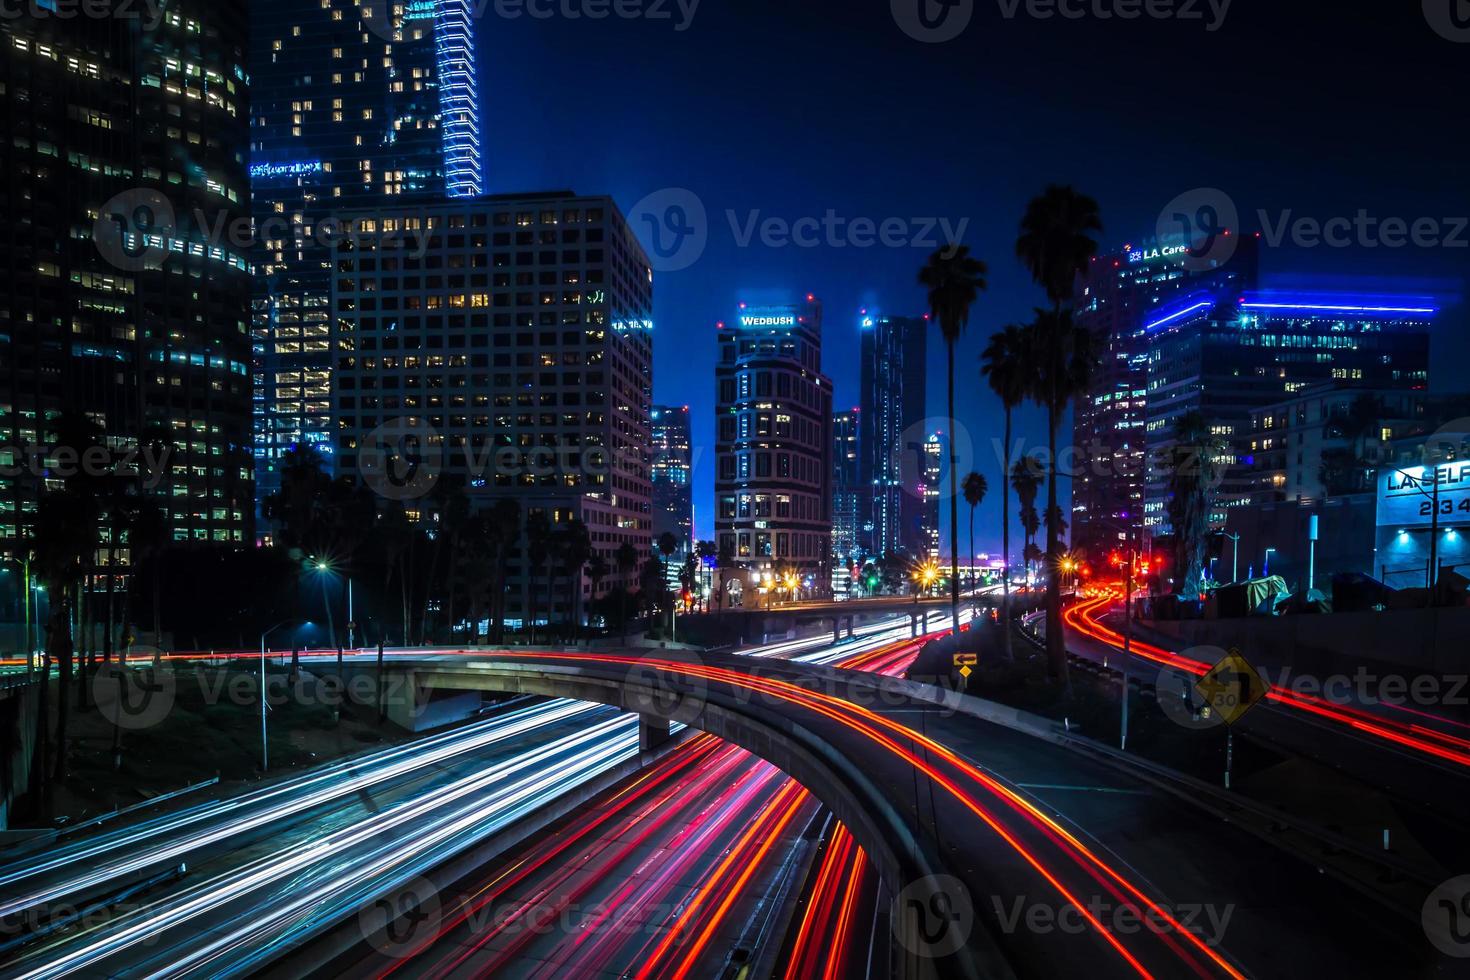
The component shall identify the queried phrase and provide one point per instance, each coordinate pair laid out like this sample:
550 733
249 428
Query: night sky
794 108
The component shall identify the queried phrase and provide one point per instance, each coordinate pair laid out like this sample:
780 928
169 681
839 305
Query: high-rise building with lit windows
1121 295
894 393
355 105
1226 355
773 422
672 474
511 337
848 512
126 146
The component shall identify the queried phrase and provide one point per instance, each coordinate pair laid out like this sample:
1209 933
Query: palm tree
538 551
975 489
667 544
626 560
1004 366
1056 246
598 569
954 280
1193 464
1027 478
576 549
504 518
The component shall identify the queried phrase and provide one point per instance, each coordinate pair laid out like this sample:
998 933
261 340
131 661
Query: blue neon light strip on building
1178 314
1337 308
459 98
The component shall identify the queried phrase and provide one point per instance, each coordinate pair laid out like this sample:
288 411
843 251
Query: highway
659 877
395 811
1411 751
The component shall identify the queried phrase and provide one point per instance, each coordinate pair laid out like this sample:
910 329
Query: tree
954 281
1192 462
1056 246
504 518
1027 478
598 569
626 560
667 544
975 488
538 552
576 549
1004 366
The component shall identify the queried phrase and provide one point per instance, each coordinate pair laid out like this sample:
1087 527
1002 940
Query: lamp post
1234 556
1266 565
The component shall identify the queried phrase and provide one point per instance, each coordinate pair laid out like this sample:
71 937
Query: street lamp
264 750
1266 565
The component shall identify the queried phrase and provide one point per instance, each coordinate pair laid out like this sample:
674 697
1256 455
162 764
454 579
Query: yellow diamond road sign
1231 687
965 671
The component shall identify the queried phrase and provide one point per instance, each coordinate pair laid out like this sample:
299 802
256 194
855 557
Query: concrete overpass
844 616
956 845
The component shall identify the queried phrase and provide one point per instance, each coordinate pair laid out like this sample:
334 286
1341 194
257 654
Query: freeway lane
1006 840
307 840
1413 754
655 878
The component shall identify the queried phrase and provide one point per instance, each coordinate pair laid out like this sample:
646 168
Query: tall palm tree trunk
1056 642
954 507
1005 543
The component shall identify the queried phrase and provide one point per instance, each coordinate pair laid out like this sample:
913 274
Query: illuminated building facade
928 513
126 147
672 475
1227 355
773 424
893 373
348 113
514 335
1123 293
847 490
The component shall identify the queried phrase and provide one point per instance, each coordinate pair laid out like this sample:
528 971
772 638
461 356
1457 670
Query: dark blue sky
793 108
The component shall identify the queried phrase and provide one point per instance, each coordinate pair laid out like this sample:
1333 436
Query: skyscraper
525 373
1121 295
672 474
847 490
892 423
927 514
1226 354
125 152
773 419
354 106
